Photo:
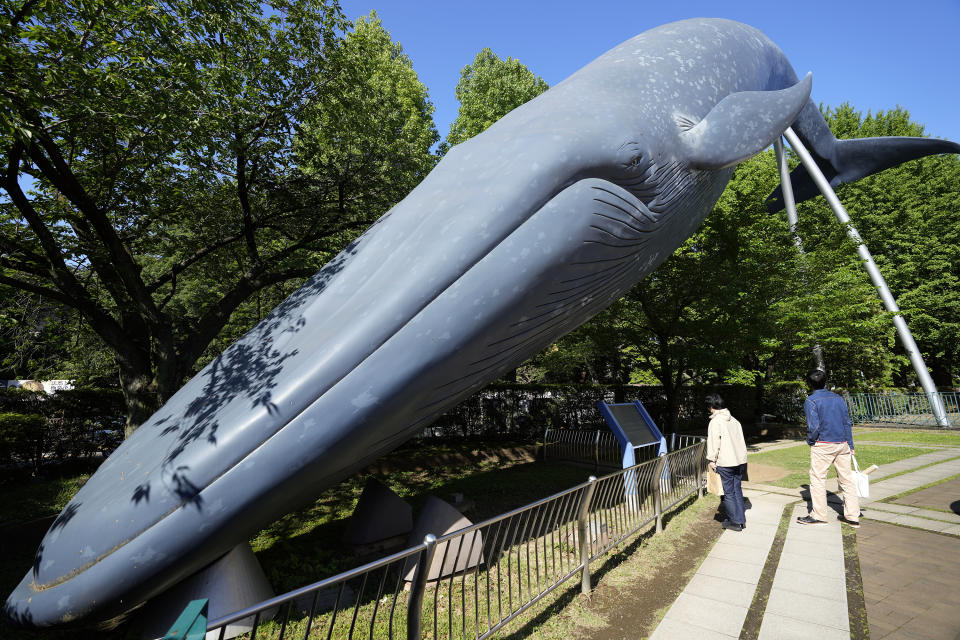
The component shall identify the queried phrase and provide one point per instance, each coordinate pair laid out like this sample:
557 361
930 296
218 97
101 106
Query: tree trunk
670 391
139 395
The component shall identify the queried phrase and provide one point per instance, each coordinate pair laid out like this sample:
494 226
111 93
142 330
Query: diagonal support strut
906 338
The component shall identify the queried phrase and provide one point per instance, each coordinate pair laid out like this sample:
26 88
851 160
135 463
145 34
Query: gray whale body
516 237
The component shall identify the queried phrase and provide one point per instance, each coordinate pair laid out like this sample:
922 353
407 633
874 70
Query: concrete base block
232 583
380 515
456 555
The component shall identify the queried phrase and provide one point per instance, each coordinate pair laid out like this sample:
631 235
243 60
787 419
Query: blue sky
875 55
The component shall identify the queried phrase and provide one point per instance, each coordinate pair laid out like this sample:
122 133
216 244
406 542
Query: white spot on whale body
146 556
364 400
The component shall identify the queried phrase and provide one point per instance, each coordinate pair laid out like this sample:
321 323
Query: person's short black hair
714 401
817 378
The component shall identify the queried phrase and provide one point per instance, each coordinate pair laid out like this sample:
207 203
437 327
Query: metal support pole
583 527
875 276
657 503
790 204
546 434
419 586
673 441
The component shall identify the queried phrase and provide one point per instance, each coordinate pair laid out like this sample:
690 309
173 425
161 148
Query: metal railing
901 408
590 446
370 601
682 440
472 582
600 448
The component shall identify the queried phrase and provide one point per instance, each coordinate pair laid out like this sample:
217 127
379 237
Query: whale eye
634 161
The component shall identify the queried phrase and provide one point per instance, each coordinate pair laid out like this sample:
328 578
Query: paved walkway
808 596
911 582
715 602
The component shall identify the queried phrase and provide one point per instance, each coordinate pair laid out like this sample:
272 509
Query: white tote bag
861 479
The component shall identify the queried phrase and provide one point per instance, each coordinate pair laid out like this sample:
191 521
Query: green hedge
23 437
76 423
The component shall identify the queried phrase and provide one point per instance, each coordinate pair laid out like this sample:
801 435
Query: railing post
546 433
191 624
583 526
701 467
596 453
418 587
657 507
673 441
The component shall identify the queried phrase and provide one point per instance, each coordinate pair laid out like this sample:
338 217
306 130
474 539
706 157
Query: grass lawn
796 460
24 498
908 435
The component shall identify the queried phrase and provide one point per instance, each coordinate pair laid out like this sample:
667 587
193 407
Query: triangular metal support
906 338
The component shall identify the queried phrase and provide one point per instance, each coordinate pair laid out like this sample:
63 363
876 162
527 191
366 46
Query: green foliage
490 88
372 126
74 424
22 437
172 171
909 217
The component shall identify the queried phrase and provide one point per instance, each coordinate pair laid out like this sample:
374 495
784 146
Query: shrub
23 437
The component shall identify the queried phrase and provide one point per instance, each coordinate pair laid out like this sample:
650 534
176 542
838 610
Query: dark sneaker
732 526
853 523
810 520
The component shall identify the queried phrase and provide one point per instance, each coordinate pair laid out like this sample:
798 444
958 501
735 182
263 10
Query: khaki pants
822 455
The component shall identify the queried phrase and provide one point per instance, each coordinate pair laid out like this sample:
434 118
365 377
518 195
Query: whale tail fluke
843 161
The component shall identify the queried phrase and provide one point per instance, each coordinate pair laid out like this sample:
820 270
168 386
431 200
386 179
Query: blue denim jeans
732 493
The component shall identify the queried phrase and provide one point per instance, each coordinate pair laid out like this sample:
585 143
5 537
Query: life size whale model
517 236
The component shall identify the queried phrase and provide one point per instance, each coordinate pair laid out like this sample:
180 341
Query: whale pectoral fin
853 159
742 125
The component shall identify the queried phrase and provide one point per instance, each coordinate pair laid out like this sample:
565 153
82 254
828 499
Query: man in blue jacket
830 436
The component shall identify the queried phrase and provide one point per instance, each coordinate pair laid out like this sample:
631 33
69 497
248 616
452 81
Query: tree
148 155
489 89
40 338
370 131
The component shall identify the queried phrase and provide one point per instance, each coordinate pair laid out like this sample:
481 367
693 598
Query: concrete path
715 602
911 582
808 597
809 594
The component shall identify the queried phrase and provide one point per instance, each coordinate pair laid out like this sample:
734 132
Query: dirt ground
766 473
651 592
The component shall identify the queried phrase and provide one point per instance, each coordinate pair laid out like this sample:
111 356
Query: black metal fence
524 412
472 582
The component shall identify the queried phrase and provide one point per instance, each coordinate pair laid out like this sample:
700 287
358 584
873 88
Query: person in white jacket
727 455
